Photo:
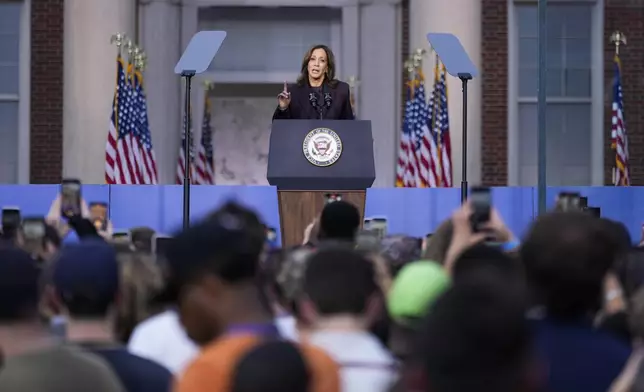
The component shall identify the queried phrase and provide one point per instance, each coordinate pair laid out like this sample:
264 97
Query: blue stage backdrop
408 210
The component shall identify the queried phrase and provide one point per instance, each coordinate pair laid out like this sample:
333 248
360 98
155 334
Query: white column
379 84
463 19
89 81
350 56
160 36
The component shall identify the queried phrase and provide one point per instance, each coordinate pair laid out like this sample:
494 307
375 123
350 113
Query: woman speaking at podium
317 93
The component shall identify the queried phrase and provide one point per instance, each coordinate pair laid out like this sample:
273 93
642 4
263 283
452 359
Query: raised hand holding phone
70 191
284 98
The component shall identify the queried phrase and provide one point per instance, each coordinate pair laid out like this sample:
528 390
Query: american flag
205 156
405 170
422 136
443 157
182 154
619 139
129 156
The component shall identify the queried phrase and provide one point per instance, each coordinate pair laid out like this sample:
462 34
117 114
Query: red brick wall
626 16
494 76
46 140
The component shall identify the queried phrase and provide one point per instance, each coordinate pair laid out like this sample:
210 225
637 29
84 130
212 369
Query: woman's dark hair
329 75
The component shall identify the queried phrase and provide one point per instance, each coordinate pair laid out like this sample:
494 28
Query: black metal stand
465 77
187 75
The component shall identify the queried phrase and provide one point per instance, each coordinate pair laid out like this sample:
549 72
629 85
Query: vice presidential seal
322 147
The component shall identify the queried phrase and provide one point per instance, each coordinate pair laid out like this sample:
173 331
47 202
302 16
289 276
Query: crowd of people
221 309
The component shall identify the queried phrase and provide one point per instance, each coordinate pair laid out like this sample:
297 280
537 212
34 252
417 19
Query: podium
308 159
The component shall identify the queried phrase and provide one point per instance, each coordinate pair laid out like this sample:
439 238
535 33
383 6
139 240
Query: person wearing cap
86 280
33 360
415 288
214 265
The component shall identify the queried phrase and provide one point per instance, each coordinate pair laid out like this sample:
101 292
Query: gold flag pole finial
140 59
411 68
618 38
136 57
418 57
129 48
118 39
143 61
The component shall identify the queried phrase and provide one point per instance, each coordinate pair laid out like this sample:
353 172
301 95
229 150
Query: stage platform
408 210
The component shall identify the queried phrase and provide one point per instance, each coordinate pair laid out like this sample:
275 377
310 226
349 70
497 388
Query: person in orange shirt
212 270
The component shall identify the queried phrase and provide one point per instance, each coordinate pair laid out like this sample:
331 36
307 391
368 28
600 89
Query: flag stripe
129 155
181 164
619 139
205 157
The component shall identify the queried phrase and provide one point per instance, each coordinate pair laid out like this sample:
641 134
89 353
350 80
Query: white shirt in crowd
365 364
162 339
287 326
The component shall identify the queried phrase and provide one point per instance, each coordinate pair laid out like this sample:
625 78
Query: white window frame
23 97
596 100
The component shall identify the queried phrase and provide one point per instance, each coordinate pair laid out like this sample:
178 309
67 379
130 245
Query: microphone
327 100
313 98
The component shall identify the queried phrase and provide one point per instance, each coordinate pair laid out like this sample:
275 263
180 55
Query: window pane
528 52
556 20
9 48
8 141
529 78
553 82
578 52
568 50
554 53
576 135
527 82
9 79
527 19
578 20
568 144
10 17
578 83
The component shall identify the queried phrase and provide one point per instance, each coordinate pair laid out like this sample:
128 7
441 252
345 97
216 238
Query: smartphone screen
33 232
379 226
568 201
70 191
10 217
366 224
481 200
121 235
33 228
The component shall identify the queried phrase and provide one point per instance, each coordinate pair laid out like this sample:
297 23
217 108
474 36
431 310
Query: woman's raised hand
284 98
